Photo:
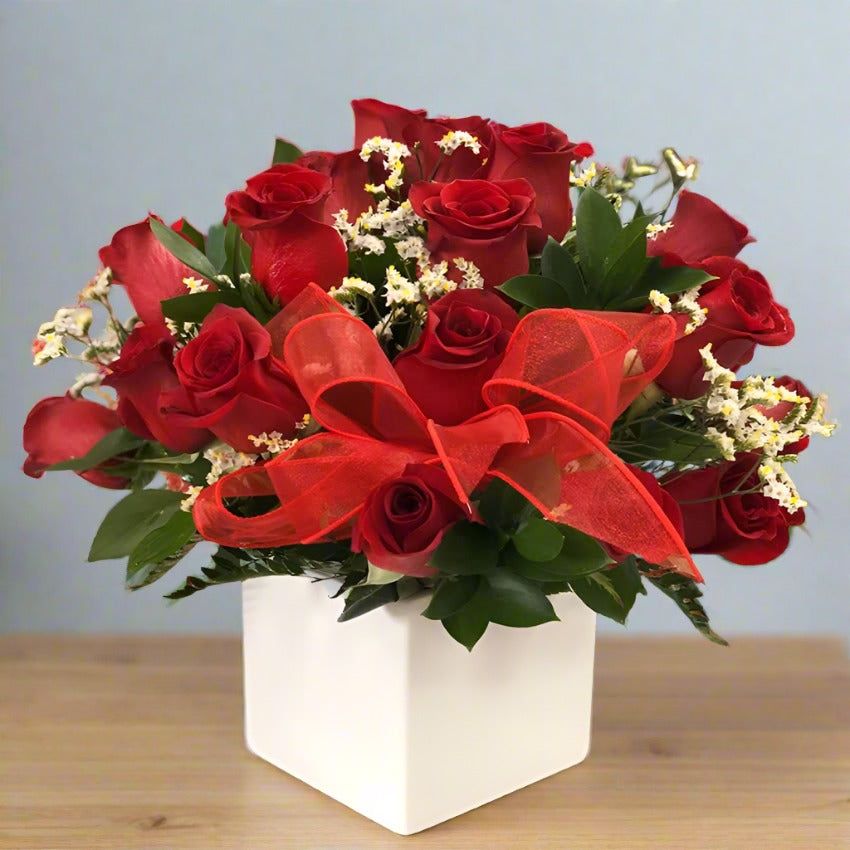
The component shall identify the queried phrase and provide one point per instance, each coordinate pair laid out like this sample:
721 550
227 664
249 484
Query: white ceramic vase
391 717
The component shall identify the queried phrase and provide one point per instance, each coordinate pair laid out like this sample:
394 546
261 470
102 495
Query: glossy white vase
389 716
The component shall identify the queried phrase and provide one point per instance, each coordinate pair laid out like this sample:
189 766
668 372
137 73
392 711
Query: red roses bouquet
413 366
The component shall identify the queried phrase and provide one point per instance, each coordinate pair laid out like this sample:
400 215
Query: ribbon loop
348 383
584 365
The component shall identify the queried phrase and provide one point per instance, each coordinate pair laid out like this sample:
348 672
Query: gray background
112 109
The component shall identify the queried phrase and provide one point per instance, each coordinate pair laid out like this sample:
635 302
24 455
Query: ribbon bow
564 378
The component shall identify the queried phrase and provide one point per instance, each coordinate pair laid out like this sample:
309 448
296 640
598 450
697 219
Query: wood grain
135 742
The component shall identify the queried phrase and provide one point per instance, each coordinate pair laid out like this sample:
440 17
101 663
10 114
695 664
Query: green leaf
365 598
581 553
686 594
223 248
626 581
550 588
243 258
538 540
117 442
467 548
188 231
140 476
597 226
215 250
376 575
579 556
557 263
330 560
162 541
535 291
626 260
187 253
160 550
516 601
285 151
256 300
469 623
598 593
670 281
545 571
167 462
450 595
504 508
131 520
195 307
673 279
666 441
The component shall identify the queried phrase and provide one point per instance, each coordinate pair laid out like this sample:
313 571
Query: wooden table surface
136 742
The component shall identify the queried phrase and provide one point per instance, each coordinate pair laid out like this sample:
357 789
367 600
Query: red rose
741 314
543 155
148 271
348 175
462 163
485 222
463 343
280 213
665 501
62 428
233 383
403 520
722 518
144 376
741 310
271 197
377 118
700 230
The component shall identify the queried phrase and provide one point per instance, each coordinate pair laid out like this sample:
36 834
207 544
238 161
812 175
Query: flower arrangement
417 366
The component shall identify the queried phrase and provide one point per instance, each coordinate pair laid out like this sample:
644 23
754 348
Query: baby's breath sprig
737 422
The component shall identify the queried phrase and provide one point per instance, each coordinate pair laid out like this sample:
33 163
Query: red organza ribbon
565 377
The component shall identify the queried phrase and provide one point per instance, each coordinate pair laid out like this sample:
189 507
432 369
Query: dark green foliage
610 271
131 520
285 151
322 560
686 594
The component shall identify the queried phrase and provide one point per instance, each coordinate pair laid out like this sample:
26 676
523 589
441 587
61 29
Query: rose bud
62 428
281 214
700 229
377 118
147 269
403 520
232 384
742 313
722 517
543 155
144 377
485 222
461 346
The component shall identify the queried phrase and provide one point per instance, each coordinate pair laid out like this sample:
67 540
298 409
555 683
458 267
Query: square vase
391 717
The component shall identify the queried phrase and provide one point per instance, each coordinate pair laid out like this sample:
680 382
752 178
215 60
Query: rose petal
300 251
148 271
